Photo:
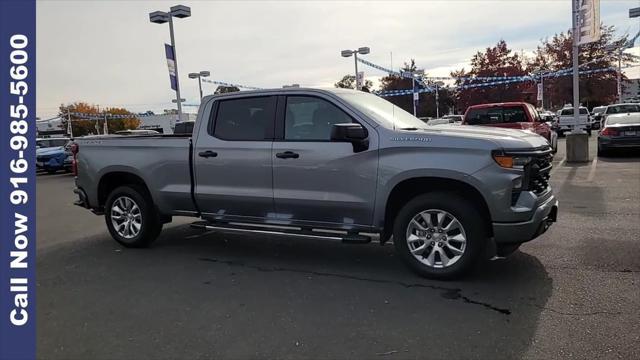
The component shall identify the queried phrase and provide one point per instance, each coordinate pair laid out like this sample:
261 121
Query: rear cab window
245 119
496 115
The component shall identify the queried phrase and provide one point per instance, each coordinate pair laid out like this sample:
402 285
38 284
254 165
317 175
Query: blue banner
171 64
17 190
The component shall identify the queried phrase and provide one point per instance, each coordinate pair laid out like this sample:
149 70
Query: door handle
288 155
207 154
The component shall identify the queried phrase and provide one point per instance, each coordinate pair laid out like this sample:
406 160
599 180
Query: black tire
150 219
602 151
589 132
474 226
560 133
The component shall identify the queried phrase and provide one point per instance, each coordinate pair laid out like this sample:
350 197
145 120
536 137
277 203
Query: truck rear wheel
439 235
131 217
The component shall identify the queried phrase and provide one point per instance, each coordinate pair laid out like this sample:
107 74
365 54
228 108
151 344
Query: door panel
233 176
328 182
315 179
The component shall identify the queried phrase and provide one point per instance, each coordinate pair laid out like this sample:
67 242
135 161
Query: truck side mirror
353 133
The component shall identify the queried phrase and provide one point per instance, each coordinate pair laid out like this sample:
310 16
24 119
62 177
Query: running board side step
281 230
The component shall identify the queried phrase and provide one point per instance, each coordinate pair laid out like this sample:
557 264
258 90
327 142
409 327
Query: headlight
511 162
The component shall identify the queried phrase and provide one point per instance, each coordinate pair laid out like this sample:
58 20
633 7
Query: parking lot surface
572 293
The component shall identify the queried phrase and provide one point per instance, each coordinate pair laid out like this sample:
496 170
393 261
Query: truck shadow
219 296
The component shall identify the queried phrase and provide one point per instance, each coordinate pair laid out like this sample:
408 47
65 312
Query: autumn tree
496 61
83 126
426 100
349 82
596 89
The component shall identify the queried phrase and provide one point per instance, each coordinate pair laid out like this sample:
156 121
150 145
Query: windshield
569 111
382 111
598 110
618 109
51 142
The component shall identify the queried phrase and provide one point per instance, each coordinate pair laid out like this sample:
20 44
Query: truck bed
163 162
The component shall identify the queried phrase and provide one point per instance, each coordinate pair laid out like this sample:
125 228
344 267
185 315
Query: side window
514 114
246 119
311 118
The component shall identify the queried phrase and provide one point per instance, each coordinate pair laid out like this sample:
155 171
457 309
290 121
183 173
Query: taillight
75 148
609 132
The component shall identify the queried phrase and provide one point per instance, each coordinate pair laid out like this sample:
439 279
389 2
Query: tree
83 126
426 100
117 124
496 61
595 89
349 82
226 89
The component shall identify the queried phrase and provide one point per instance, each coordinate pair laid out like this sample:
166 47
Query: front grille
537 172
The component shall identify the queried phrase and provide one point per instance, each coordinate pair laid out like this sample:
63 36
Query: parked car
455 118
620 109
332 163
596 116
442 120
53 159
51 142
566 121
619 131
513 115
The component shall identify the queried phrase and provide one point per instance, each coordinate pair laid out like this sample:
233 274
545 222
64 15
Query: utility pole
619 78
577 139
542 91
576 75
347 53
415 96
437 104
69 126
105 128
161 17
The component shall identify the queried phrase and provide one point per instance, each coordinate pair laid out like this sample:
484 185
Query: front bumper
519 232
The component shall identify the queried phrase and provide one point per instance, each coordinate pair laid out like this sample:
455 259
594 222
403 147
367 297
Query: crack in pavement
447 293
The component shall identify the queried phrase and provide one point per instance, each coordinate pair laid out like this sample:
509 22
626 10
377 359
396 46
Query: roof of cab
277 91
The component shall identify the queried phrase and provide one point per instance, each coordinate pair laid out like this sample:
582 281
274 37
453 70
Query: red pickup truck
513 115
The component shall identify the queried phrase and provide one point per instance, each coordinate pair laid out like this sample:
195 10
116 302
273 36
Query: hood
502 137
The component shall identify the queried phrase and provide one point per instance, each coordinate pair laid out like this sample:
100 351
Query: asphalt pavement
572 293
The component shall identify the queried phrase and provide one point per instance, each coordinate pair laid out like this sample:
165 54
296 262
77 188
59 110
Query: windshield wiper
411 128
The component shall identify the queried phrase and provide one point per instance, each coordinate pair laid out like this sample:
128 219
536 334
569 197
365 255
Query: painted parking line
556 167
592 171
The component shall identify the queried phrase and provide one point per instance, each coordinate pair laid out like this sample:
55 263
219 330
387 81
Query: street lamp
437 84
161 17
347 53
199 76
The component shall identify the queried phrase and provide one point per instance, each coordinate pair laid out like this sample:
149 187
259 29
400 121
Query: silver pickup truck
332 163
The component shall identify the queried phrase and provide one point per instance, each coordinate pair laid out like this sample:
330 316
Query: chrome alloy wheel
126 217
436 238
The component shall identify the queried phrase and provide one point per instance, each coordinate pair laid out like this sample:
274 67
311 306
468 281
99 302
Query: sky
108 53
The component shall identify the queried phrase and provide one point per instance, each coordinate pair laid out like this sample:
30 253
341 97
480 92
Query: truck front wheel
439 235
131 217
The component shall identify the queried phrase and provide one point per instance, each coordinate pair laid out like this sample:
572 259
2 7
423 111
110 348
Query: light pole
347 53
437 84
161 17
199 76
